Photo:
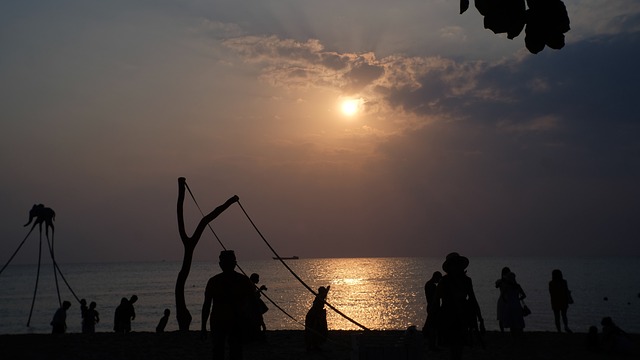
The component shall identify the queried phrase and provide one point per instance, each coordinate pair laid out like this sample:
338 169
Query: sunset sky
456 139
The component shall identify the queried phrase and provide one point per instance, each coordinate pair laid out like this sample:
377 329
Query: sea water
377 293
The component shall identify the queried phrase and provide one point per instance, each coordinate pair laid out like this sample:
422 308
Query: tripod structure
39 214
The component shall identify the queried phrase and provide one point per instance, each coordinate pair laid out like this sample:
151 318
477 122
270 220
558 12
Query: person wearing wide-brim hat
460 307
455 263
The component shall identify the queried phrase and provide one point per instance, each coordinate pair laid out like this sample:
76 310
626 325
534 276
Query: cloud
291 63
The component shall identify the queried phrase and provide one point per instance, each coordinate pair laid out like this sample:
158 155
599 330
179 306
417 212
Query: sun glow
350 107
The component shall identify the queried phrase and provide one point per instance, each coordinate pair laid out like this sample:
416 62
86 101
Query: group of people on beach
234 309
453 312
124 314
454 317
89 314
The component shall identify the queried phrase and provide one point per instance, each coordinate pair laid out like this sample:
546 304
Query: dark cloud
549 164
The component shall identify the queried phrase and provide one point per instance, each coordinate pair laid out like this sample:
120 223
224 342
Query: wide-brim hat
455 262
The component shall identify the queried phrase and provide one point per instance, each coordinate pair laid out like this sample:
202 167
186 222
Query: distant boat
286 258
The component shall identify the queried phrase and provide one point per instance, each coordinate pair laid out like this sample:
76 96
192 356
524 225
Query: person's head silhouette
255 278
455 263
556 275
227 260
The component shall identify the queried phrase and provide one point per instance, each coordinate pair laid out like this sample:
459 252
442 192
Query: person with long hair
560 299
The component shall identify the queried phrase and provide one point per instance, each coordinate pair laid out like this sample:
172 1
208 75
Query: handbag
570 298
525 310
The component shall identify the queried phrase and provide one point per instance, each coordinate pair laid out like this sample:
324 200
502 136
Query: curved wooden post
189 242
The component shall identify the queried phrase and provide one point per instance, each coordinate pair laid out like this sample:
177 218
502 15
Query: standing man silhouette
227 298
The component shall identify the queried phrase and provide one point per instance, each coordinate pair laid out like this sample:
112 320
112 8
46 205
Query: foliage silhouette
544 21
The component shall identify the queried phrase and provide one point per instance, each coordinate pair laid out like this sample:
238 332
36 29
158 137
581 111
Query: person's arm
522 294
206 309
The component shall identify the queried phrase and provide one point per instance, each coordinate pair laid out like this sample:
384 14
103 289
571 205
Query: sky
461 139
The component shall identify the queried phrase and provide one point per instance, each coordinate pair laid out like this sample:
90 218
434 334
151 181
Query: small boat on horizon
286 258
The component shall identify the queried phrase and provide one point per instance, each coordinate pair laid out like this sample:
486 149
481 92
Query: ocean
379 293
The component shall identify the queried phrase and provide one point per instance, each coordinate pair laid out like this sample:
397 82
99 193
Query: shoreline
289 345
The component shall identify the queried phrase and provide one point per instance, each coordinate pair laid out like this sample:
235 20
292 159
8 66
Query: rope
295 275
15 252
202 213
239 268
35 290
261 292
56 266
53 260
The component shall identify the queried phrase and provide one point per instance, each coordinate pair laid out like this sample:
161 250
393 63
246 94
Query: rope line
56 266
202 213
239 268
53 260
35 290
296 275
261 292
18 249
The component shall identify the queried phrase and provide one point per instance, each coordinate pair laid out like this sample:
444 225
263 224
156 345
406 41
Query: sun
350 107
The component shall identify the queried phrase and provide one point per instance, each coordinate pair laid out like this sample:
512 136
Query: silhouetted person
316 329
83 311
560 295
455 291
614 339
163 321
501 306
130 313
123 315
512 294
91 318
59 322
256 325
226 298
431 324
118 322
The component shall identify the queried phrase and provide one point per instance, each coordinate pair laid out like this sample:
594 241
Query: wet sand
289 345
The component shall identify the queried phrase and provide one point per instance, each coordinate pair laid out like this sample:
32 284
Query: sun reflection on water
367 290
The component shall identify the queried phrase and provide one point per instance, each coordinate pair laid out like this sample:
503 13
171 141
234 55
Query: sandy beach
289 345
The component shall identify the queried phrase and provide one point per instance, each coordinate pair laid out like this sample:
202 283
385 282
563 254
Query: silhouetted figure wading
163 321
125 312
59 322
90 319
256 325
227 299
316 329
